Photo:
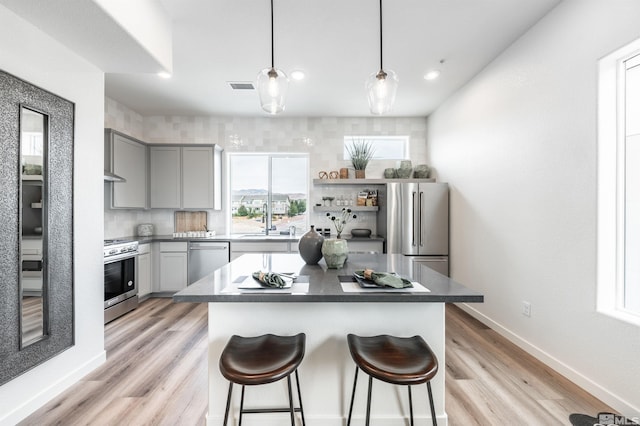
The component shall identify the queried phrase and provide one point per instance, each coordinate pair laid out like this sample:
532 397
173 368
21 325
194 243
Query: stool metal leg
226 411
433 410
369 401
300 398
293 419
353 394
410 404
241 406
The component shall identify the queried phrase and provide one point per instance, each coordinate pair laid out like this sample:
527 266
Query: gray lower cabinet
173 267
182 177
143 270
128 159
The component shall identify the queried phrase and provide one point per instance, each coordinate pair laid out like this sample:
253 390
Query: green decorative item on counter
269 279
360 152
382 279
335 252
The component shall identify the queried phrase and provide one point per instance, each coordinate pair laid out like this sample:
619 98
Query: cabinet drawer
173 247
260 247
144 248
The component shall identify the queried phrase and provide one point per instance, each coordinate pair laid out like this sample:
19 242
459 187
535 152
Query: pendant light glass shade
381 91
382 85
272 83
272 87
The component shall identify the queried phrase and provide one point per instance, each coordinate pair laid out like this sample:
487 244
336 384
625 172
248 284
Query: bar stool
397 360
260 360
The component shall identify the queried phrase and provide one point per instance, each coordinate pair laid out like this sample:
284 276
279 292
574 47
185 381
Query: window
631 142
385 147
269 192
619 184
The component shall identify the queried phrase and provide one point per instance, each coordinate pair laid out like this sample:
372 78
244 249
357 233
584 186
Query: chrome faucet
267 218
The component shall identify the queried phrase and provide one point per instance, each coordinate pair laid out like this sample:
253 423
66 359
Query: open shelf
32 177
366 181
319 209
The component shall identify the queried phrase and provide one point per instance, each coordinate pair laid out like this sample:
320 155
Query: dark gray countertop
234 238
324 285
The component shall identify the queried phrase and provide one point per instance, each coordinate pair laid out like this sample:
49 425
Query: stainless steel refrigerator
414 220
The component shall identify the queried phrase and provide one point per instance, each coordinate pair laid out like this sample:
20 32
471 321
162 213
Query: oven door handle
120 257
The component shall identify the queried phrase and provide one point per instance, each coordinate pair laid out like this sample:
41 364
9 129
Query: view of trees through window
269 192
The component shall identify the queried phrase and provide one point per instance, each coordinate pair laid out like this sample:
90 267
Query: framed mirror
34 133
36 225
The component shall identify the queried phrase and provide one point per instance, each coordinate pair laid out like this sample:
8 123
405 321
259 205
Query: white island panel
326 373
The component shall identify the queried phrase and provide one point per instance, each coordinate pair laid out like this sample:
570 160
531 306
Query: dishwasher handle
198 246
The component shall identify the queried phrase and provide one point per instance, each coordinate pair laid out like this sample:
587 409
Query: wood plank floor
156 374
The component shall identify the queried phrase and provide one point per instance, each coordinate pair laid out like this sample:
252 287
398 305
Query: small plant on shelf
361 152
341 219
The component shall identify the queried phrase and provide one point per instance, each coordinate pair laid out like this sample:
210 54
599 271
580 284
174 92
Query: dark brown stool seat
260 360
397 360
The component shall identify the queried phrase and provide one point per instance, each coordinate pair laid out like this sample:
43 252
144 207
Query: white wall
518 147
33 56
321 137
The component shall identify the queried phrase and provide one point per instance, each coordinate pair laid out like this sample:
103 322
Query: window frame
405 139
610 181
270 156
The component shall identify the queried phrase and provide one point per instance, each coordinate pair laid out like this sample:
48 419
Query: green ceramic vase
335 252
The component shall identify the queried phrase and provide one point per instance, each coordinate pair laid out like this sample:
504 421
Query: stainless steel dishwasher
206 257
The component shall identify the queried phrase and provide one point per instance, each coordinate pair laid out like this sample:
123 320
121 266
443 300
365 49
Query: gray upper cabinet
165 169
128 160
197 177
184 177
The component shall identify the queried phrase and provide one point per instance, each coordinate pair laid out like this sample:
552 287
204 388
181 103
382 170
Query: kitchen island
326 305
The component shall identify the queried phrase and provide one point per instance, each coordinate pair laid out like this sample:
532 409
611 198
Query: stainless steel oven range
120 289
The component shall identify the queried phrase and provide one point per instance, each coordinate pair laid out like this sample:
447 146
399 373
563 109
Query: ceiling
336 44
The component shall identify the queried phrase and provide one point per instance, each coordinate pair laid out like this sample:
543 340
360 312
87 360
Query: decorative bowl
361 233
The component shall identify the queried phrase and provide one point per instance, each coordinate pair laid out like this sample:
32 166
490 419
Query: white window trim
610 217
402 138
227 183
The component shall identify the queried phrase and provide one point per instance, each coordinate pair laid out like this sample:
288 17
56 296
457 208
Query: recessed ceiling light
432 75
297 75
164 74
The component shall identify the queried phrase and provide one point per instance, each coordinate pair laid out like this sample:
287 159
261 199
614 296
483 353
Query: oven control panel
120 248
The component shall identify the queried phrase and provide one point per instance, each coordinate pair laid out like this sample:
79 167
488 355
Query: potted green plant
360 152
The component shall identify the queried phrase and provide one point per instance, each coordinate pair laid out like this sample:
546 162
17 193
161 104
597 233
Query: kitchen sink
266 237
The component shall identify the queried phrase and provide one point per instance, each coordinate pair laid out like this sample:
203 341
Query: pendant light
272 83
382 85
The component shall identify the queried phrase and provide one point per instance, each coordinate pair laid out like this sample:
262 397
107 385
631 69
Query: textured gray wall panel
58 226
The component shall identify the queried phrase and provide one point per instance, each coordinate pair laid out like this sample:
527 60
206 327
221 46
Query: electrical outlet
526 309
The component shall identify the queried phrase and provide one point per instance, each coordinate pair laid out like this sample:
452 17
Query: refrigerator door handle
420 218
413 222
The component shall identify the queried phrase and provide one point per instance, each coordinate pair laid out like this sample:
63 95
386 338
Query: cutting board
190 221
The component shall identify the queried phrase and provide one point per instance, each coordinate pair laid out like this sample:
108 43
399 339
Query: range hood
111 177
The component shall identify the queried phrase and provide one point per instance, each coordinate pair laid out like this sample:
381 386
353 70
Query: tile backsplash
322 138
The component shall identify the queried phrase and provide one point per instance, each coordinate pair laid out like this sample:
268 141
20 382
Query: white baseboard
44 395
606 396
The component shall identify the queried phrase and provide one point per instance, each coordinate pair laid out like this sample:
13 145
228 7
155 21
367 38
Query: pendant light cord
272 62
380 34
